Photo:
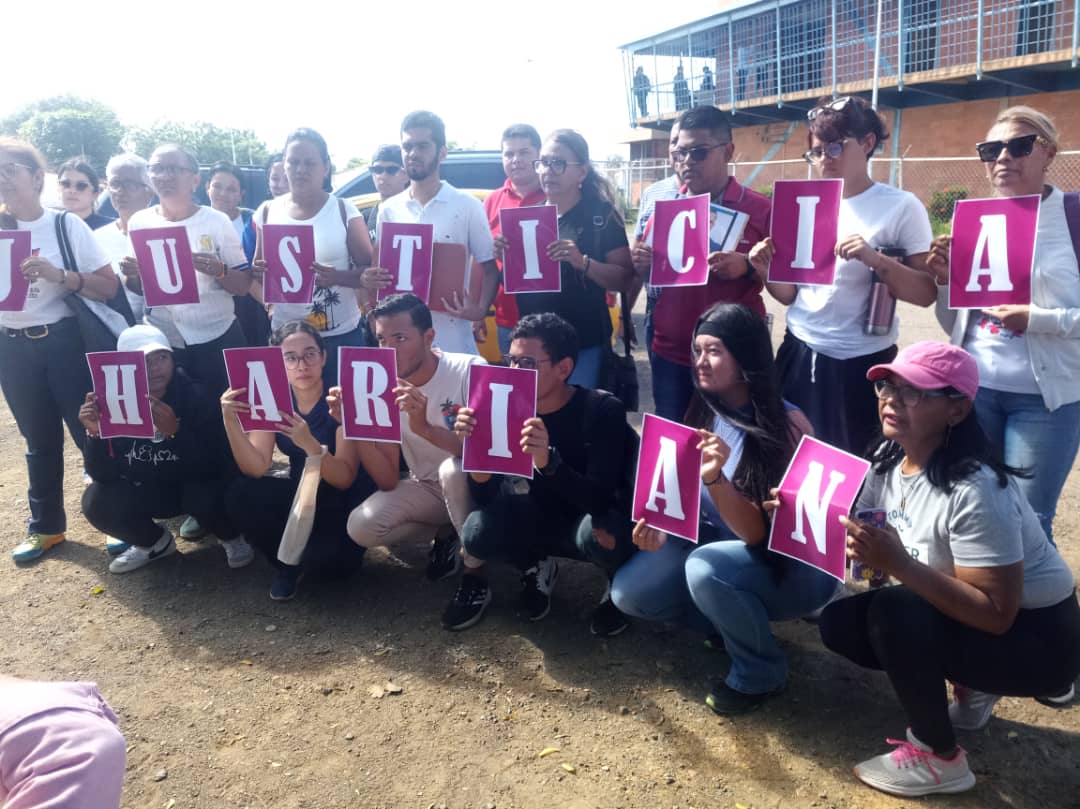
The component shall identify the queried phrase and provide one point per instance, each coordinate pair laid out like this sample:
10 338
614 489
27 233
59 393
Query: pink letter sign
805 220
681 242
820 484
368 409
289 251
526 266
667 487
502 399
262 372
123 393
14 250
993 250
405 251
165 266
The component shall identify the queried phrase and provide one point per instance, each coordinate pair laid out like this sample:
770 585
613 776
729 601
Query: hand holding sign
819 486
260 374
875 547
667 494
680 242
121 394
14 286
992 252
368 409
406 250
166 266
504 438
805 219
526 233
290 255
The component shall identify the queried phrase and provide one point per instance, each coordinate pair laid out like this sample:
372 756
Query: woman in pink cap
983 598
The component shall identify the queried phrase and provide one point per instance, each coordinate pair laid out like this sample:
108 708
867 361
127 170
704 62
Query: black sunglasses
990 150
80 185
391 170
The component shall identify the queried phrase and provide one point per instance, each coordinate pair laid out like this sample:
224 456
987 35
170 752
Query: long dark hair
965 448
593 186
769 440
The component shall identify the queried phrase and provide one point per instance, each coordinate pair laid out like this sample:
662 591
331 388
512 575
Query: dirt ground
354 696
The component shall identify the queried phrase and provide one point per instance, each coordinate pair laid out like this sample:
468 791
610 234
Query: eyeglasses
80 185
830 150
310 358
391 170
9 170
990 150
159 169
908 395
555 165
126 185
695 153
526 362
836 105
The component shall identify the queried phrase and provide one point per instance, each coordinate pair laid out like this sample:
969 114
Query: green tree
66 126
209 142
355 163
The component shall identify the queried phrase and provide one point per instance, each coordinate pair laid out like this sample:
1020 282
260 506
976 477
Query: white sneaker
135 557
971 709
237 552
912 769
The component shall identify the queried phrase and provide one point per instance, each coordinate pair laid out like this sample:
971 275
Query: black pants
126 511
253 320
206 363
259 507
919 648
834 394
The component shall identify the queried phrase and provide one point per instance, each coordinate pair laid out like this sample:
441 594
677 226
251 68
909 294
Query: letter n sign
820 484
667 486
993 251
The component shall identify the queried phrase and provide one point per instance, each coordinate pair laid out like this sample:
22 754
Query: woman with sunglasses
79 188
884 238
260 505
342 247
1028 356
984 600
592 249
43 370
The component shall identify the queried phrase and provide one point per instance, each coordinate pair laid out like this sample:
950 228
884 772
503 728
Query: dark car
255 190
465 169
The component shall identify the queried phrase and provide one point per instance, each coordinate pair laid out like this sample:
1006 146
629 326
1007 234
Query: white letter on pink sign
408 245
804 242
287 251
676 241
666 467
812 506
6 259
532 258
993 242
168 276
120 395
368 401
261 394
500 405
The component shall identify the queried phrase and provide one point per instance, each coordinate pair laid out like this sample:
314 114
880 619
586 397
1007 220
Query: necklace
916 479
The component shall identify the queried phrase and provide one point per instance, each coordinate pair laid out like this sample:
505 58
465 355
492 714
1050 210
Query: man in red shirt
701 155
520 147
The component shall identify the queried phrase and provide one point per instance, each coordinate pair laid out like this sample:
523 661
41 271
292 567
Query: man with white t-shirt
432 386
458 218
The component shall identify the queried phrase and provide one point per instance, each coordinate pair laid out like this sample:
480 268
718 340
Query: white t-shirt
978 524
116 245
333 310
831 319
45 299
211 317
458 218
446 392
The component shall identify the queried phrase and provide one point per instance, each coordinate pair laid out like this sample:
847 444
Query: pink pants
60 747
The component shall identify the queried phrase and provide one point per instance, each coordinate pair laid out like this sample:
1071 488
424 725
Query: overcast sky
479 64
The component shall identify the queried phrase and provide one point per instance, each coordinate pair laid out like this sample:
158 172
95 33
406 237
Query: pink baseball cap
931 365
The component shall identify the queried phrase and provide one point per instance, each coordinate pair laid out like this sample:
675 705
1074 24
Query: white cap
146 339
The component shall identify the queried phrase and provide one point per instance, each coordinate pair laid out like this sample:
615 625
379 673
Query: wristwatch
750 271
553 464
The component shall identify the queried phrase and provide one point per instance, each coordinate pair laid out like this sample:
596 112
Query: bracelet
718 479
588 263
224 271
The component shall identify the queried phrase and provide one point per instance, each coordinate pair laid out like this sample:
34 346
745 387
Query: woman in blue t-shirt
730 584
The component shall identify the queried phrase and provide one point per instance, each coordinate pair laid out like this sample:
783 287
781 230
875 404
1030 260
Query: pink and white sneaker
912 769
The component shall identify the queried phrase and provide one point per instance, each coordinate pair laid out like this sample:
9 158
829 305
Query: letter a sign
667 487
502 400
289 251
165 266
681 242
526 266
993 251
820 484
406 251
123 393
14 250
369 411
805 220
262 372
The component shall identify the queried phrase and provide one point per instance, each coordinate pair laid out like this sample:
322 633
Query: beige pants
414 509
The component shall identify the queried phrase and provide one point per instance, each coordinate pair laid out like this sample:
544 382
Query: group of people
970 441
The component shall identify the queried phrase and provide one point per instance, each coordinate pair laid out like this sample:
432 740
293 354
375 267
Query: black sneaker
285 584
537 582
1060 699
469 603
444 558
607 620
726 701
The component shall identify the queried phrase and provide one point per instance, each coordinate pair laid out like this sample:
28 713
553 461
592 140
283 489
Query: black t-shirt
595 228
323 428
96 220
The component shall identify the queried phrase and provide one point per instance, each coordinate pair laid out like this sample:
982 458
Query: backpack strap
344 215
1072 216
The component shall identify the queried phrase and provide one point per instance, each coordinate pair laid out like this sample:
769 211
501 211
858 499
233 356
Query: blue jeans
672 388
652 586
355 338
1035 438
740 590
587 368
45 382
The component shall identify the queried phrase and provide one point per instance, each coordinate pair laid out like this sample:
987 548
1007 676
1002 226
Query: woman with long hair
984 600
729 584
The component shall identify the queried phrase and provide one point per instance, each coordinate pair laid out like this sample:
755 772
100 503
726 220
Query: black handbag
620 376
